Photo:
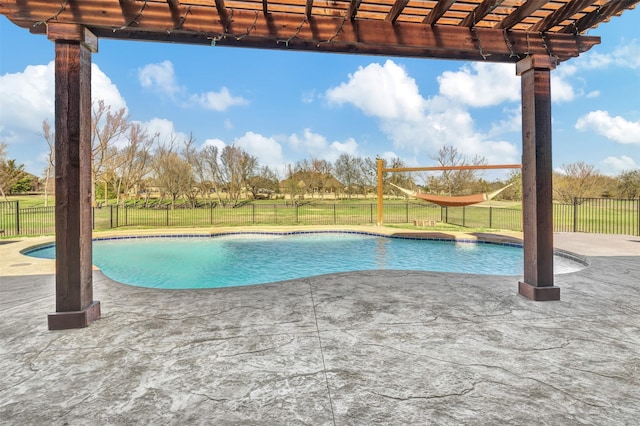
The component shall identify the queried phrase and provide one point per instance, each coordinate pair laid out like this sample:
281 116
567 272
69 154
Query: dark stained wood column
537 196
75 307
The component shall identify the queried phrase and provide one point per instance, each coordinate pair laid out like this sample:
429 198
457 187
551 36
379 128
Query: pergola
535 35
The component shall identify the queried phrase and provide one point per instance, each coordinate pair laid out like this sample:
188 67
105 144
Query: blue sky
283 106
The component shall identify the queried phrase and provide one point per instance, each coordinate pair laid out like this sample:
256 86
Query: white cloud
481 84
626 55
317 146
383 91
619 164
561 89
218 101
429 124
27 99
165 131
160 77
267 150
310 142
617 128
215 142
512 122
308 96
102 88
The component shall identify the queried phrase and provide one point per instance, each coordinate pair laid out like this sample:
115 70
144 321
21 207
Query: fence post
296 207
17 217
93 218
406 212
371 213
335 220
167 215
253 213
575 213
464 211
490 217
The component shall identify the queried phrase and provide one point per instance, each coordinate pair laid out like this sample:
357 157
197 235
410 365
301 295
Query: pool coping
17 263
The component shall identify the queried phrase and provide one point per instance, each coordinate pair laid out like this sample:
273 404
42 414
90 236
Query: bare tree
236 166
49 137
577 180
190 154
132 161
455 181
370 173
173 173
304 176
349 171
209 157
294 185
321 175
106 128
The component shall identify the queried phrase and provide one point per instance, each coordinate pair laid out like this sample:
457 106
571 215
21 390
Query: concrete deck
383 347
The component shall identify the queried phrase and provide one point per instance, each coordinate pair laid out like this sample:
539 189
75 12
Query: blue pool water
244 259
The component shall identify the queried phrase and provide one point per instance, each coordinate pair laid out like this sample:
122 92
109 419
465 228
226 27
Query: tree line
130 163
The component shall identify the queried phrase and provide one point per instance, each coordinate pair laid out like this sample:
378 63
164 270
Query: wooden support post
535 72
380 216
75 307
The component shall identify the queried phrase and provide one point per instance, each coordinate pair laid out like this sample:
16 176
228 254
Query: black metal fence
594 215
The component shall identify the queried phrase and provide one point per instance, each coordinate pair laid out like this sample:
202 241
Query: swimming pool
257 258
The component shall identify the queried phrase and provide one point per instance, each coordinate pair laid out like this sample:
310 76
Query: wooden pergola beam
480 12
352 11
436 13
599 15
396 10
561 14
250 28
308 9
222 11
442 168
526 9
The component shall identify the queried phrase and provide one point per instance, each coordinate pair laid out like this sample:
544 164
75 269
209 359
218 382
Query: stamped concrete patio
365 348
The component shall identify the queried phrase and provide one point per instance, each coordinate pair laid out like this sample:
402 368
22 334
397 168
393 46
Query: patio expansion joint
324 365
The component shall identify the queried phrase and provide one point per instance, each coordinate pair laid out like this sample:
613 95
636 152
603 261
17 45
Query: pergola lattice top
491 30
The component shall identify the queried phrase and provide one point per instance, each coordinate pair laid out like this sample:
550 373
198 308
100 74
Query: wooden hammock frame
437 199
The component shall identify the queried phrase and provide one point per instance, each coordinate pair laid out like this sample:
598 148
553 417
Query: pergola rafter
488 30
535 35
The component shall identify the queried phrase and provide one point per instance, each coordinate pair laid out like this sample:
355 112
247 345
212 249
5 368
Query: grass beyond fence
593 215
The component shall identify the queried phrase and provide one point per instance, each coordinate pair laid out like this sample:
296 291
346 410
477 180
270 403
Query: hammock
464 200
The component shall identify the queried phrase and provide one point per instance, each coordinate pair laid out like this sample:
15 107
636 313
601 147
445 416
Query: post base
75 319
540 294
